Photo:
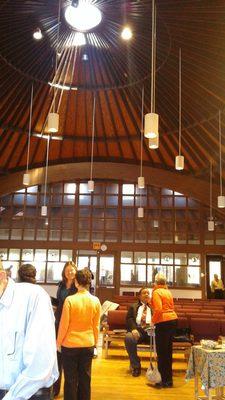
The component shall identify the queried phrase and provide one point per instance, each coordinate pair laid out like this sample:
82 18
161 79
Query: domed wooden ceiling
115 71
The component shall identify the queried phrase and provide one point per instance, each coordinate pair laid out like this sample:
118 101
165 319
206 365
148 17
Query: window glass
128 201
13 265
112 188
139 257
66 255
54 271
153 257
53 255
194 259
3 254
27 254
85 200
40 255
128 189
68 199
14 254
83 188
106 270
167 258
180 259
126 257
70 188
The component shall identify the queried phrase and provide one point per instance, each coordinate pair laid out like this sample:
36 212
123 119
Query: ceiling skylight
83 17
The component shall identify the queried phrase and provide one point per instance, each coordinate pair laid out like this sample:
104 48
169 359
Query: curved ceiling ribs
115 71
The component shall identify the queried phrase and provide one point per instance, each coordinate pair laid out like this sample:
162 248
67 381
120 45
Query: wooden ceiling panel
114 72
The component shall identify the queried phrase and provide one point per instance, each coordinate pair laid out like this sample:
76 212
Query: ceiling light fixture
26 176
153 143
211 224
220 198
126 33
37 34
152 119
44 208
179 161
53 116
83 17
91 183
141 179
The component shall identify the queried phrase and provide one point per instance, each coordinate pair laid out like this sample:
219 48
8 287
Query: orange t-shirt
79 323
162 304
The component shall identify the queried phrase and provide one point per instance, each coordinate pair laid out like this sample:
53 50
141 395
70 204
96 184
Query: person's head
144 294
83 278
69 271
216 277
27 273
160 279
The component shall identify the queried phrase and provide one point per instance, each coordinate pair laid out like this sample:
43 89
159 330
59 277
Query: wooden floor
111 380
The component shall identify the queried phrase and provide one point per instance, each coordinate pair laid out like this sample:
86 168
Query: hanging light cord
57 46
46 171
153 61
180 104
220 149
142 127
92 139
30 122
210 189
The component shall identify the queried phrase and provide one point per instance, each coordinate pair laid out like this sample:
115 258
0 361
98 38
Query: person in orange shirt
165 321
78 334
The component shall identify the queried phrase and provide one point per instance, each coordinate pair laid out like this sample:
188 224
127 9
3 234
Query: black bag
182 335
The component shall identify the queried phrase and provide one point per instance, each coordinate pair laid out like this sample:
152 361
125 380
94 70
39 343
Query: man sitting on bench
138 319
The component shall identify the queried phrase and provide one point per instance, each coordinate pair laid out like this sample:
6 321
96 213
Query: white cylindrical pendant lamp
141 182
211 225
53 122
26 179
151 125
221 201
153 143
140 212
44 211
91 186
179 163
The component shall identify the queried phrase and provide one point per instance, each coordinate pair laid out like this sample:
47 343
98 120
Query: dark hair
83 277
64 279
141 290
27 273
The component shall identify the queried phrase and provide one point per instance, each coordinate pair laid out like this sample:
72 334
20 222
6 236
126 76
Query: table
210 365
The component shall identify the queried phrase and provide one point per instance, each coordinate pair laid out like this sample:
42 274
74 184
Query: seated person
138 319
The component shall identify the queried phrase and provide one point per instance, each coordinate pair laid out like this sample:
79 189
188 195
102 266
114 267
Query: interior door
105 286
214 266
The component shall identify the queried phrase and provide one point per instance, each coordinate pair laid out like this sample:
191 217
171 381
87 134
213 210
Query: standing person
165 320
77 336
28 366
138 318
66 288
217 287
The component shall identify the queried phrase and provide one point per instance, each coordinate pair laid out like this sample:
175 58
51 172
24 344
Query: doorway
214 265
102 267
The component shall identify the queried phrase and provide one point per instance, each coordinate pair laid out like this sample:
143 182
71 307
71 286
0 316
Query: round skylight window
83 17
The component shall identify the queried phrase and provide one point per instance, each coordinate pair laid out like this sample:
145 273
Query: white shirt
27 341
140 312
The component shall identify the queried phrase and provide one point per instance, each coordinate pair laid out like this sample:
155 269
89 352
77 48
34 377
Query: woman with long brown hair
65 288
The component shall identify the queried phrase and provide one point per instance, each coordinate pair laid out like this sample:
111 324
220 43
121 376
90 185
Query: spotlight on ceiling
37 34
126 33
83 16
84 57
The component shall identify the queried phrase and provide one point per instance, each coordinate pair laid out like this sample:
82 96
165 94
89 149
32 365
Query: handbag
153 375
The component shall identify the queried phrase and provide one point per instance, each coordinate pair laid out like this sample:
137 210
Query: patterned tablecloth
209 364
